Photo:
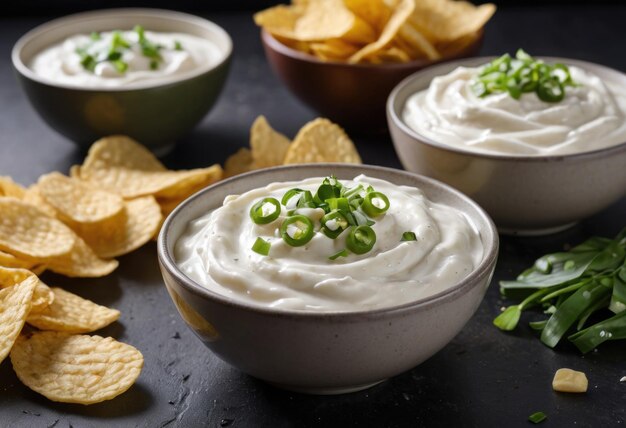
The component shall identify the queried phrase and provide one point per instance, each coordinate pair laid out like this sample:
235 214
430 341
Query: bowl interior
213 196
420 81
57 30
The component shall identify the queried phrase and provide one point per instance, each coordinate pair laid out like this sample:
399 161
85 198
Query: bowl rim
165 14
394 119
272 42
474 279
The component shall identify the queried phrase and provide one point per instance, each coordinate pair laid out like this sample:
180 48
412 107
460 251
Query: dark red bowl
352 95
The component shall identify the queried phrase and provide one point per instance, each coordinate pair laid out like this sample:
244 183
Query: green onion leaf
261 247
265 211
537 417
408 236
375 204
342 253
120 66
613 328
178 46
361 239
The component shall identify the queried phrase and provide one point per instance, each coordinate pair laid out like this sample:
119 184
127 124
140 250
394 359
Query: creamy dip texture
215 251
591 116
178 54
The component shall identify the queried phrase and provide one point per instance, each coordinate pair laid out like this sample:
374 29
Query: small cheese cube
568 380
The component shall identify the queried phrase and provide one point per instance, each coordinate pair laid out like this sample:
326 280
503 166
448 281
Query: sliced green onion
262 212
537 417
408 236
334 223
325 191
261 247
95 36
342 253
178 46
375 204
550 90
88 62
140 33
297 230
361 239
118 42
287 197
338 204
306 200
154 65
120 66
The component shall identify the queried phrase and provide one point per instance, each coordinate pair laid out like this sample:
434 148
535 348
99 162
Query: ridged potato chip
42 294
15 304
81 262
238 163
27 232
75 368
76 202
321 141
139 222
33 197
8 187
72 314
121 165
10 261
401 13
268 146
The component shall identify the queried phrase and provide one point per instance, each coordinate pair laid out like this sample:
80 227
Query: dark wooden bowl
352 95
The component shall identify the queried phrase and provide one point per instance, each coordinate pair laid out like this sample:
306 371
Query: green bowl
154 113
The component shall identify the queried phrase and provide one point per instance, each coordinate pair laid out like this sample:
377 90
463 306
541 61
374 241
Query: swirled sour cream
61 63
215 251
591 116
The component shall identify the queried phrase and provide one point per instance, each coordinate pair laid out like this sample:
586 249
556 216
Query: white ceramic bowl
324 353
523 194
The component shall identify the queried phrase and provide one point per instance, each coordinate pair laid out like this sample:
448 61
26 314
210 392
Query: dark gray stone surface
483 378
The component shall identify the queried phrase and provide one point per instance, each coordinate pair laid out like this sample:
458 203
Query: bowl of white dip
320 316
535 166
148 73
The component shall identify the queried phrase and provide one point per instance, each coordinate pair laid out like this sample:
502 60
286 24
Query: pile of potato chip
53 357
376 31
318 141
111 205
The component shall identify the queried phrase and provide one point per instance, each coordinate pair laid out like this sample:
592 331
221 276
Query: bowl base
325 390
535 232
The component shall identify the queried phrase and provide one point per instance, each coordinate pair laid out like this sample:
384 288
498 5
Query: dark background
483 378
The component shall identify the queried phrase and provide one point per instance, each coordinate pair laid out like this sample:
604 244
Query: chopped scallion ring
361 239
342 253
334 223
265 211
297 230
375 204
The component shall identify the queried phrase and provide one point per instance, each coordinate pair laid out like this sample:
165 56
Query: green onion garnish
523 74
334 223
361 239
408 236
375 204
178 46
120 66
154 64
297 230
265 211
537 417
286 200
342 253
95 36
261 247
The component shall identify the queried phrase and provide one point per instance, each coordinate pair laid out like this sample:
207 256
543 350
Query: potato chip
72 314
333 49
33 197
14 307
27 232
42 294
10 261
75 201
75 368
374 12
445 20
400 15
139 222
123 166
418 42
321 141
8 187
268 146
81 262
238 163
389 55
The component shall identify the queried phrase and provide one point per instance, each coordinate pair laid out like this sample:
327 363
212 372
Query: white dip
591 116
61 63
215 251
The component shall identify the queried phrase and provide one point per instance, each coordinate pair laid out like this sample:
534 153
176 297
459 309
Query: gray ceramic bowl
324 353
155 114
523 194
